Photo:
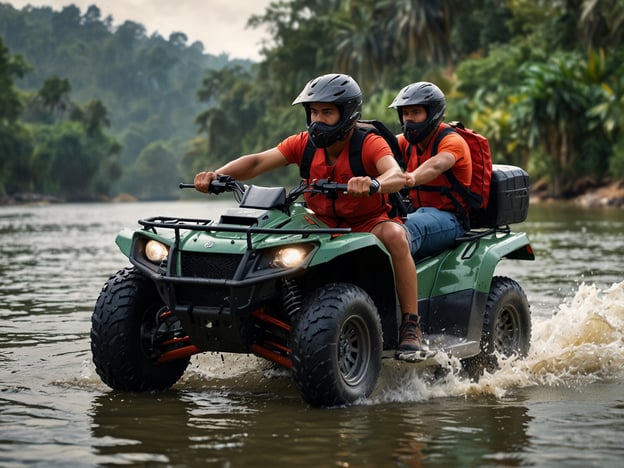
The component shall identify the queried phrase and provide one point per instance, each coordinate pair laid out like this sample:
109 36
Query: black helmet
338 89
423 94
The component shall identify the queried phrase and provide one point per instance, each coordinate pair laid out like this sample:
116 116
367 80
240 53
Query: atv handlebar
225 183
327 187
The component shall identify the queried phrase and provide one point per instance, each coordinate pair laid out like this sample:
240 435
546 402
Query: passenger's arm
430 169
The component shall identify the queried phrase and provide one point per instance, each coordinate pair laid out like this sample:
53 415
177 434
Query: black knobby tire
506 326
336 346
125 332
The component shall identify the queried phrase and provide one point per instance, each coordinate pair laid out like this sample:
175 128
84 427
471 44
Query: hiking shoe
410 335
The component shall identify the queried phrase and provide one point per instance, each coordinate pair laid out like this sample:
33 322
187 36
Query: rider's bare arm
391 177
243 168
390 180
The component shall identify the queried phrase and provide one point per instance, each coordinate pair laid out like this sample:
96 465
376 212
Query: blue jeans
432 231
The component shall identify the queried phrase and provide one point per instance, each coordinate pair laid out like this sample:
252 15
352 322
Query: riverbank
609 195
29 198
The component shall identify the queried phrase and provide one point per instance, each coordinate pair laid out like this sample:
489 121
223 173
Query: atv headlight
156 252
290 257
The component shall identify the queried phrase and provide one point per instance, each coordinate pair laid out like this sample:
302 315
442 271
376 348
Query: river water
561 406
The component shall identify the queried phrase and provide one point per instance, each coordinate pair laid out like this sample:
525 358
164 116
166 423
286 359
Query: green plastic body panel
124 241
470 265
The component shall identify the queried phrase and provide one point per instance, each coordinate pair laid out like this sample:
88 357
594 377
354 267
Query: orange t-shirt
361 214
451 143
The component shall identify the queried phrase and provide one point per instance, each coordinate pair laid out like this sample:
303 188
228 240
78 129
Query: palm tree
374 39
54 95
602 23
11 67
552 99
421 30
95 116
361 45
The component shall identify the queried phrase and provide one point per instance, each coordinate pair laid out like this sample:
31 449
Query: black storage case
509 198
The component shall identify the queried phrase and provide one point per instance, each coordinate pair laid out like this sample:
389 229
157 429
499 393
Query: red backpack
479 191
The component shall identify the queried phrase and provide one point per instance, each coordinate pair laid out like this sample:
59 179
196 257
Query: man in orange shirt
333 105
435 220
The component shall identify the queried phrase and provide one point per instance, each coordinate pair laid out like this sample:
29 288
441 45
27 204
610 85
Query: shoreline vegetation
105 108
608 195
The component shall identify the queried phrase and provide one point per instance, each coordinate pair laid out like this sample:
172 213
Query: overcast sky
218 24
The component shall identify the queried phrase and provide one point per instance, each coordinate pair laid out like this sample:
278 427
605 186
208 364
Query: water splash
583 339
582 342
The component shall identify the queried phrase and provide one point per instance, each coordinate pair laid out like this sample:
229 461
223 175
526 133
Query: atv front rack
194 224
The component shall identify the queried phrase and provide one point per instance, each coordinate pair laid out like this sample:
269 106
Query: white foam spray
582 341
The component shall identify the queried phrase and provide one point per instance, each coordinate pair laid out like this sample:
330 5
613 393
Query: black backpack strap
473 199
306 160
396 200
443 190
408 155
355 150
382 130
445 131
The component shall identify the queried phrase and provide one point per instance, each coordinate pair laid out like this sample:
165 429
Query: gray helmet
338 89
423 94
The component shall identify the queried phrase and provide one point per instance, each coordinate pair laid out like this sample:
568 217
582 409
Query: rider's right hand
203 179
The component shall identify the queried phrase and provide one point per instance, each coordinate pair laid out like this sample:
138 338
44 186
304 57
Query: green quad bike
269 279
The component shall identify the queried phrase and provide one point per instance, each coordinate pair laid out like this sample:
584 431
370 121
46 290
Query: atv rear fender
471 265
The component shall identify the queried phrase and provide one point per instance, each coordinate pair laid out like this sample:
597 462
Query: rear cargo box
509 198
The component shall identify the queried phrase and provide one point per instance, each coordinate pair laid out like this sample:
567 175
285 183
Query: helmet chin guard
323 135
415 132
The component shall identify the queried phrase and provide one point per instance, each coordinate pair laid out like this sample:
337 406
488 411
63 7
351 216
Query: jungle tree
14 139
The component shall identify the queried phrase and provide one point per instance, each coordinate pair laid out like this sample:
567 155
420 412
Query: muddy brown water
561 406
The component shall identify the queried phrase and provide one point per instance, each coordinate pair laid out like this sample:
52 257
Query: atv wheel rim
506 334
354 349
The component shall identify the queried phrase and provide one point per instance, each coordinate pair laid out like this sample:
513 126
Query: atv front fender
126 237
124 241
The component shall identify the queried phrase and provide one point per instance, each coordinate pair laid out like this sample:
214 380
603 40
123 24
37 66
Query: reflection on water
162 428
561 406
224 428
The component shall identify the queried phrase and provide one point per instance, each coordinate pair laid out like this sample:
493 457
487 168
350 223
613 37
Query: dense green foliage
543 80
130 92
